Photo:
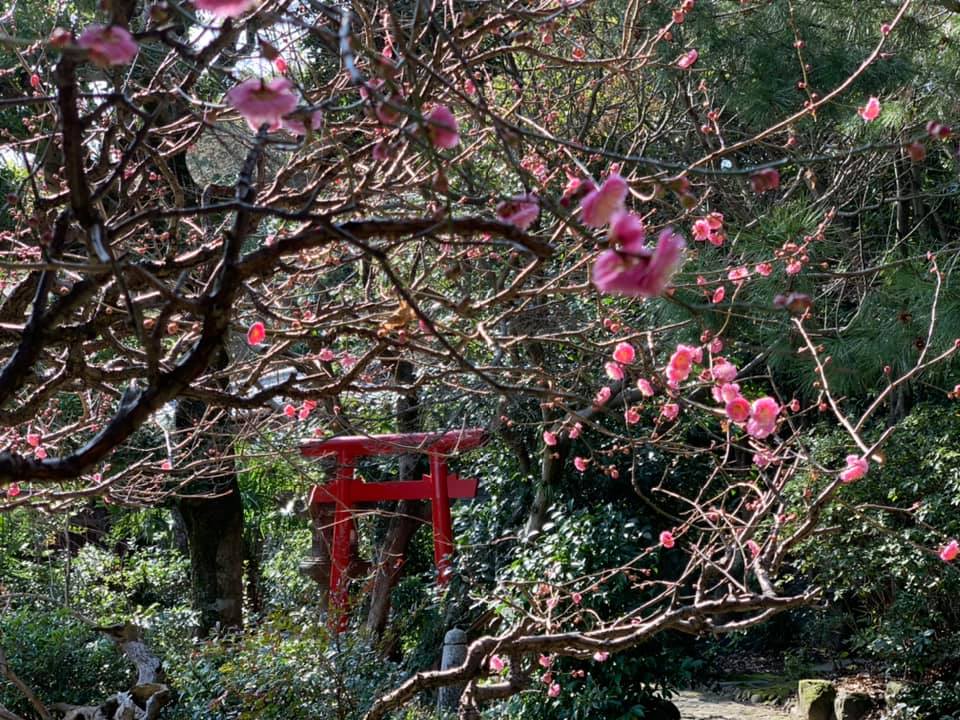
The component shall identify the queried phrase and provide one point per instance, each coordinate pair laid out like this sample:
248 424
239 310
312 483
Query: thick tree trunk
212 513
215 537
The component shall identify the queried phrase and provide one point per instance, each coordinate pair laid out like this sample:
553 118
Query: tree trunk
409 513
212 513
215 537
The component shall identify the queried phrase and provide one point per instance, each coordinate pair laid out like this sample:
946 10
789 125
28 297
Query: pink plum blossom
599 205
870 111
723 371
261 101
645 388
554 690
728 392
580 463
40 453
738 409
624 353
576 187
626 230
256 334
709 228
614 370
718 295
753 548
520 211
108 45
950 551
763 417
575 431
225 8
601 656
166 465
545 661
701 229
13 490
738 274
667 540
603 394
681 363
635 270
764 269
549 438
496 663
688 59
326 355
670 411
764 180
631 416
34 439
762 459
856 468
442 127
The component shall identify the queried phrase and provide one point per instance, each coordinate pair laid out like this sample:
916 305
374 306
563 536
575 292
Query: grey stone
892 692
815 699
454 653
852 705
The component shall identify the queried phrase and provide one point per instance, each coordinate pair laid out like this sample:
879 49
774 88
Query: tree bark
215 538
409 513
212 513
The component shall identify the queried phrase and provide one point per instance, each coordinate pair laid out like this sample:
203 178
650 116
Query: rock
852 705
454 653
660 709
815 699
892 692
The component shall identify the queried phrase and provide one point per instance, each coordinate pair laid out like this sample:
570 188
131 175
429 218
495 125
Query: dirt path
694 705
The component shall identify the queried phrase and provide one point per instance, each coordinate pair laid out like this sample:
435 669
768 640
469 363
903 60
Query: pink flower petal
520 211
260 101
599 205
108 45
442 127
948 553
624 353
870 111
225 8
256 334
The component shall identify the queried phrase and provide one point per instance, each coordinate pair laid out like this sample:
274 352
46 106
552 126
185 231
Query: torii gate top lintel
354 446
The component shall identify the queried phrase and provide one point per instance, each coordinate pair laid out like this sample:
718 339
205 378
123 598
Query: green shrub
60 657
288 668
880 564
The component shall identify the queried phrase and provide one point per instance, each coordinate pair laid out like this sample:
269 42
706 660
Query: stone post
454 653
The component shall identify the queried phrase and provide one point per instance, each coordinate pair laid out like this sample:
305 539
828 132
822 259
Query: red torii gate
439 486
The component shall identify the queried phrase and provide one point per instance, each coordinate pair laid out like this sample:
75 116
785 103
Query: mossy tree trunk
212 512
